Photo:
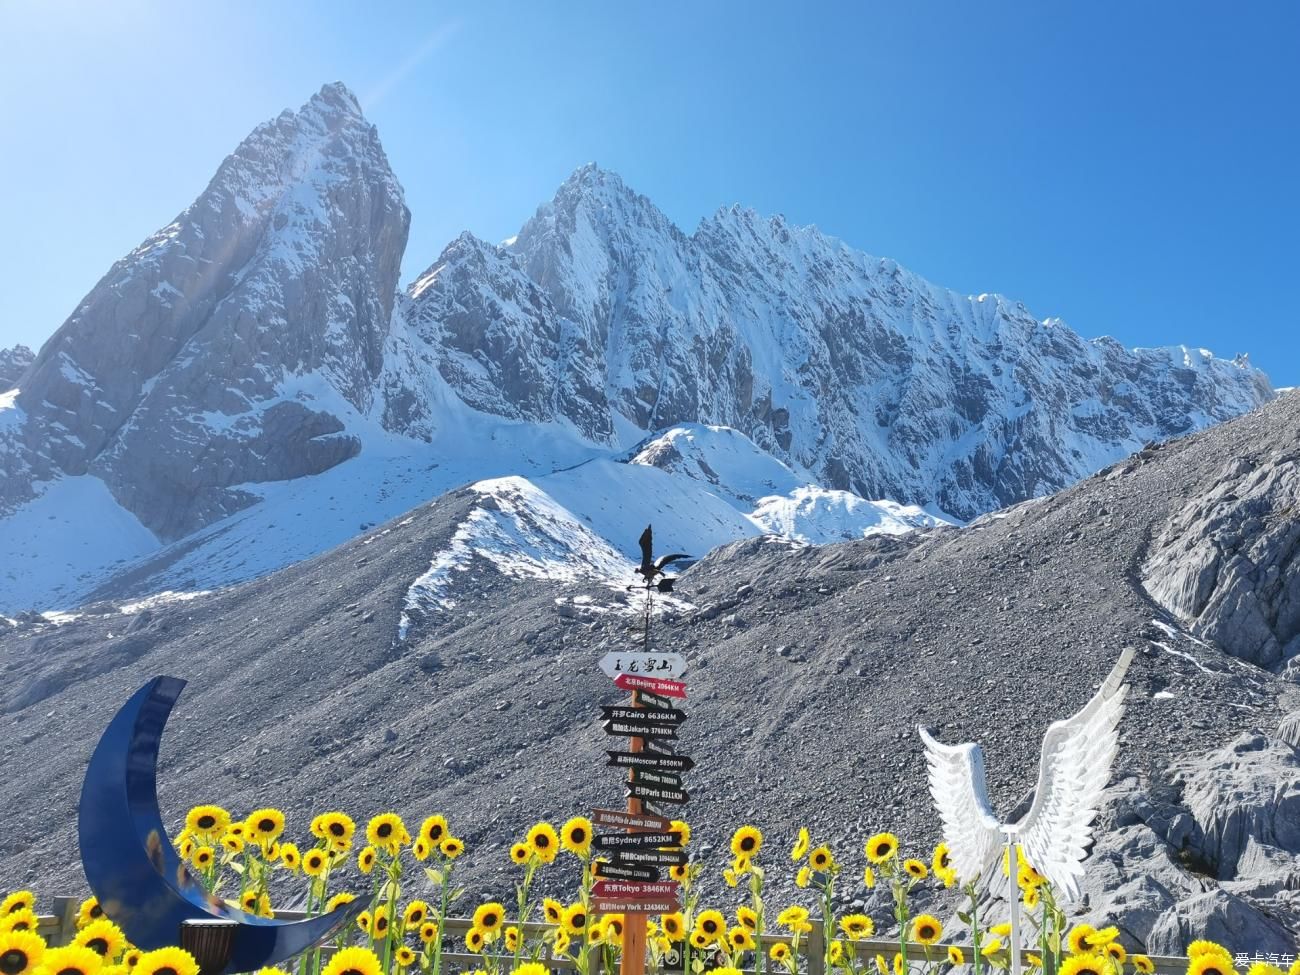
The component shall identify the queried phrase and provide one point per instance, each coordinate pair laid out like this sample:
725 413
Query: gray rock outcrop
1228 564
13 363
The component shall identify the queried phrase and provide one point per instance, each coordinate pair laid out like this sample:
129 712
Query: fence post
65 912
816 949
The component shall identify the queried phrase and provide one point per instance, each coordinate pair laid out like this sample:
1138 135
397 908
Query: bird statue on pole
652 571
1074 767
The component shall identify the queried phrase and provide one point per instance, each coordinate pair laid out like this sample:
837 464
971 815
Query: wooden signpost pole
634 925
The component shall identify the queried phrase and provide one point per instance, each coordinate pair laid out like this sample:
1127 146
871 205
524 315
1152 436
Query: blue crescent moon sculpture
130 864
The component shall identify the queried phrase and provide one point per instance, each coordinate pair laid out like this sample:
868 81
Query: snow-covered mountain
13 363
248 388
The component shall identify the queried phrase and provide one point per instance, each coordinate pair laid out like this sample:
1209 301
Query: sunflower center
384 830
266 825
489 920
710 926
882 849
354 971
747 843
542 841
13 961
73 971
207 822
98 945
166 971
927 931
579 834
336 829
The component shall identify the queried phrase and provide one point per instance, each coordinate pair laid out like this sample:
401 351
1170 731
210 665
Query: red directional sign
624 889
656 685
623 905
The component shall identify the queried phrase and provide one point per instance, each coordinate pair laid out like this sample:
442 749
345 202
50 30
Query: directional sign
656 858
636 841
621 888
632 729
655 685
646 664
649 760
657 793
622 871
624 906
660 747
656 778
624 713
625 820
655 701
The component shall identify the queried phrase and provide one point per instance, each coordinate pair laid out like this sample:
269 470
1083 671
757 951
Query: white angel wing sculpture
1073 769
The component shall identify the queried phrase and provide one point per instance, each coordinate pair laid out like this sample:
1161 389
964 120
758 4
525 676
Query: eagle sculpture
1073 770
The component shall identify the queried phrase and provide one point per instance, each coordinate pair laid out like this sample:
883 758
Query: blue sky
1129 167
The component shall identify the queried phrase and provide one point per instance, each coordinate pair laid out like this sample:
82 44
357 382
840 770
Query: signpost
651 760
655 685
621 871
647 664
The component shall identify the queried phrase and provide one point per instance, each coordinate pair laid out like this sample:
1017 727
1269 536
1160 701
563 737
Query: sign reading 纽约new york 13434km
645 664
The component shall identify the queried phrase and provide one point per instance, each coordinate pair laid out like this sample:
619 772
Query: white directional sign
643 664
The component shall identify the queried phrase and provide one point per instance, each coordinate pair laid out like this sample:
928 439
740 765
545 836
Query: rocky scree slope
810 667
259 338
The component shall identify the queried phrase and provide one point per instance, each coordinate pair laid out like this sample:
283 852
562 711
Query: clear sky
1129 167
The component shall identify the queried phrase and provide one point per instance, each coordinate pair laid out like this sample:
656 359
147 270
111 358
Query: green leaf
964 917
435 876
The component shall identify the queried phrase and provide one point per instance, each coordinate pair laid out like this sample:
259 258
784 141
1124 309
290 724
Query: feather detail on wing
1073 770
960 794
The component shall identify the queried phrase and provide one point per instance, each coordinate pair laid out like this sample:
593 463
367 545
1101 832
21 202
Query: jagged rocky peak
231 345
13 363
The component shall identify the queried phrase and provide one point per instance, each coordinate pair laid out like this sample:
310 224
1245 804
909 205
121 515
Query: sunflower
575 836
75 960
868 878
366 859
1142 964
271 971
680 826
821 859
203 857
512 938
1032 897
613 924
747 918
353 961
1203 947
21 919
699 940
741 938
248 902
727 970
1210 963
746 841
475 939
89 911
1103 936
132 957
335 828
490 916
801 845
338 900
712 923
238 829
955 956
991 947
451 847
544 841
1028 877
926 929
792 916
532 968
857 926
290 856
233 843
521 853
1078 937
881 967
1085 964
209 822
881 847
315 863
679 872
387 832
1115 952
900 966
264 825
428 932
433 829
780 952
415 913
560 944
264 906
837 952
674 926
916 869
575 918
20 951
363 922
18 900
103 937
941 860
379 923
405 956
185 845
